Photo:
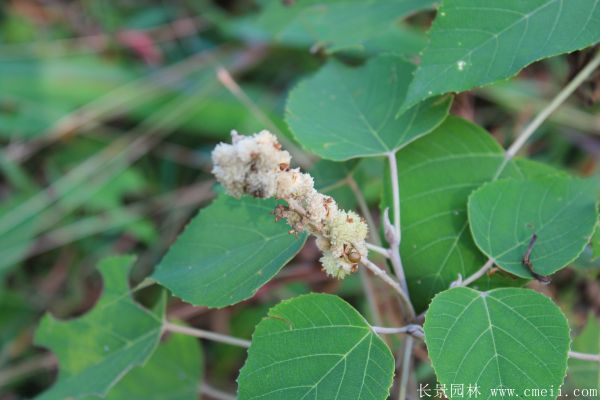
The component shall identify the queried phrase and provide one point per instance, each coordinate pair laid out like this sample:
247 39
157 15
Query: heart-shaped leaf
361 104
343 24
436 176
476 42
550 220
505 338
227 252
98 349
316 346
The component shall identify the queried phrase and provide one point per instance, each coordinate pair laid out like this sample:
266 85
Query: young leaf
436 176
98 349
476 42
361 104
340 24
505 215
504 338
227 252
583 373
316 346
173 373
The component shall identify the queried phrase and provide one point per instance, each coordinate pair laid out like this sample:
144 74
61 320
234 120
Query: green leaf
436 176
96 350
361 106
476 42
561 212
509 338
341 24
582 373
173 373
227 252
316 346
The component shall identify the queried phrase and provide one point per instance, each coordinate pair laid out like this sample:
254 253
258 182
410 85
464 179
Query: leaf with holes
335 25
171 373
316 346
227 252
505 338
436 243
561 212
361 106
477 42
98 349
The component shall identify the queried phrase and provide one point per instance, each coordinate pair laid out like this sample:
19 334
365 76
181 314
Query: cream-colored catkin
257 166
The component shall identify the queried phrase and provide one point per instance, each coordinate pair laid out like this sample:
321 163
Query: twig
585 356
364 276
395 191
549 109
394 236
364 209
217 394
199 333
391 282
482 271
27 367
230 84
411 329
379 250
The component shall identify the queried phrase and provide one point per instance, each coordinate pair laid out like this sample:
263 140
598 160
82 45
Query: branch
391 282
214 393
379 250
549 109
393 232
482 271
406 360
585 356
199 333
413 330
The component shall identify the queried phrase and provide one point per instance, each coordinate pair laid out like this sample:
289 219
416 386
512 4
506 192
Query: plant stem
585 356
395 191
406 361
395 240
549 109
482 271
379 250
236 90
364 277
391 282
364 209
26 368
199 333
411 329
217 394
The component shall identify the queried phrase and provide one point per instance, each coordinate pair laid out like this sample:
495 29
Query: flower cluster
256 165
